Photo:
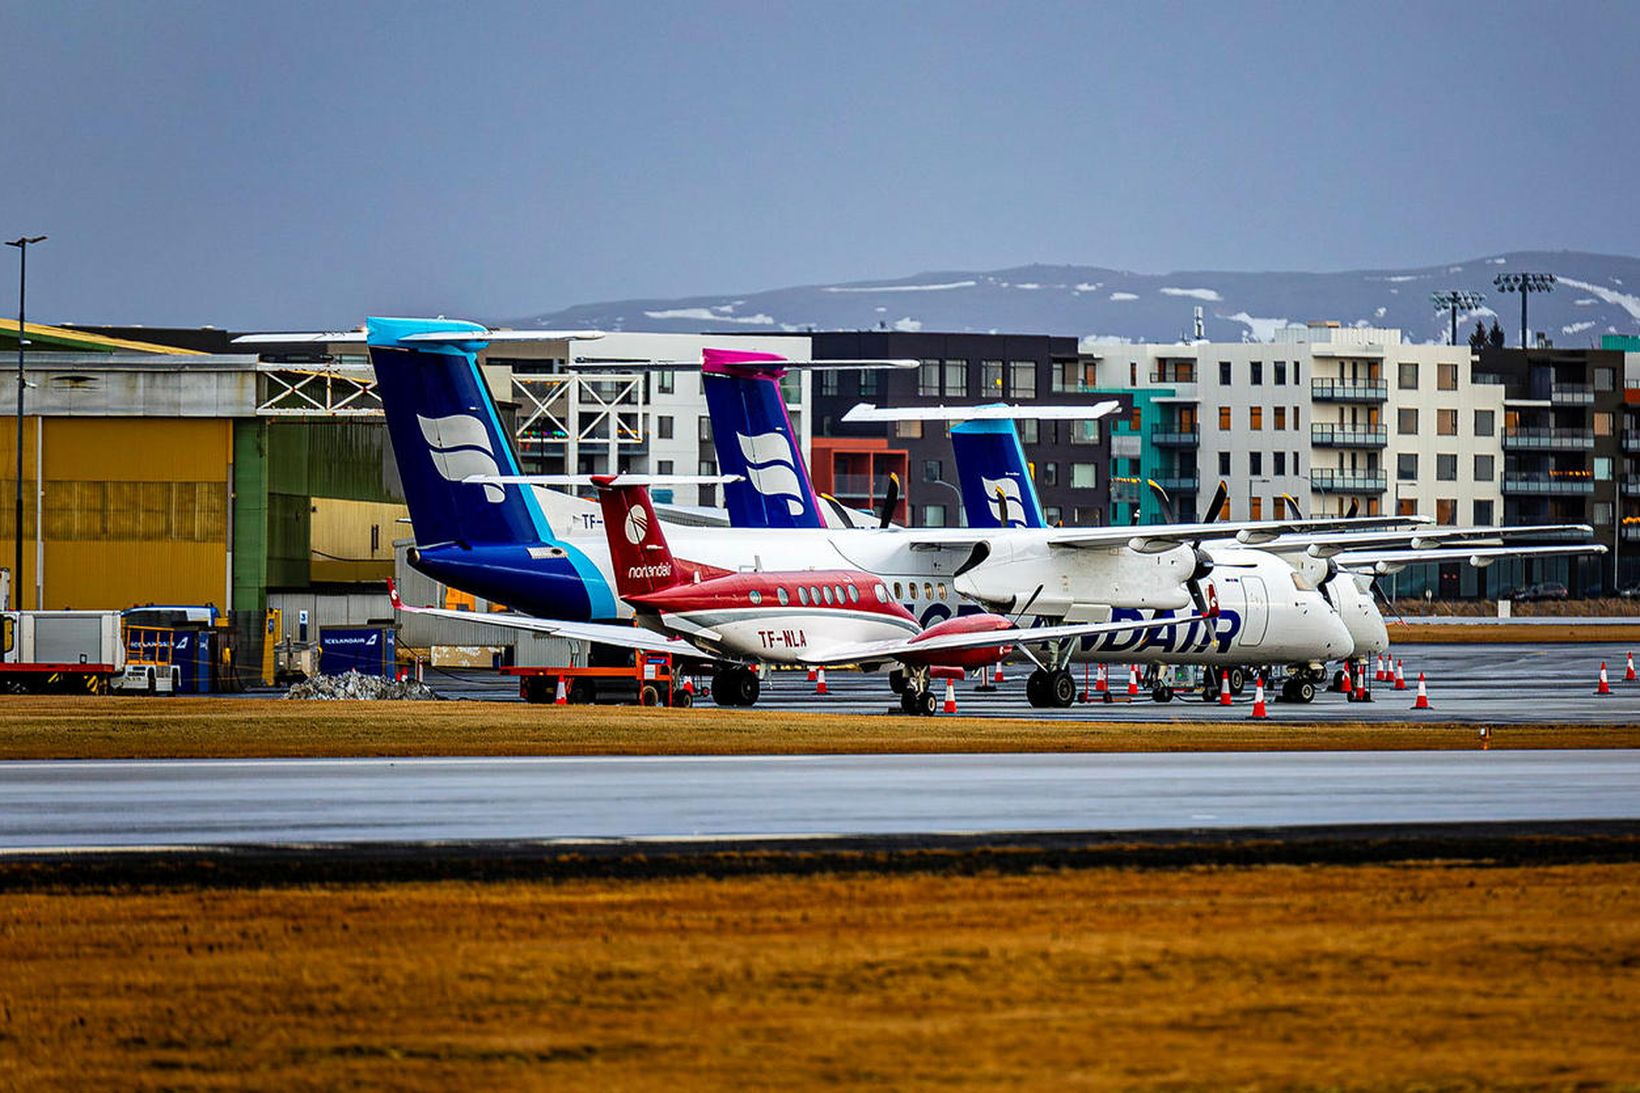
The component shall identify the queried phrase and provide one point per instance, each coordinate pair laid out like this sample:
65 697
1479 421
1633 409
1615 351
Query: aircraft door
1257 619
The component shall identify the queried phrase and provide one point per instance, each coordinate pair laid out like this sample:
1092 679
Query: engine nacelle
1008 575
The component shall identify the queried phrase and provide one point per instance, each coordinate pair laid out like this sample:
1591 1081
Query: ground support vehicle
60 652
649 680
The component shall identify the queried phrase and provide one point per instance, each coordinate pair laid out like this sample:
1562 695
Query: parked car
1544 590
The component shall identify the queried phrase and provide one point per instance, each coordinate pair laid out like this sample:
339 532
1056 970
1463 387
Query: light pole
1452 300
1525 284
22 243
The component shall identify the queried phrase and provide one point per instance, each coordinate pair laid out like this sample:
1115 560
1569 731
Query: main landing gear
736 685
1050 689
915 690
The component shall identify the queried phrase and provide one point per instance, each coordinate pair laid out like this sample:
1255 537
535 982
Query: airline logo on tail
460 446
1009 508
637 525
771 468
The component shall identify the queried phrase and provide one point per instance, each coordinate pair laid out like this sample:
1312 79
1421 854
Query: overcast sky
288 164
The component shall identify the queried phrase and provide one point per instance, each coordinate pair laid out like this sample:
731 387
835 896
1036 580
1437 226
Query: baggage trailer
648 681
60 652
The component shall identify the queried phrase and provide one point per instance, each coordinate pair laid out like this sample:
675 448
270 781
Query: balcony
859 485
1349 436
1181 438
1565 440
1341 481
1343 390
1631 532
1572 394
1544 484
1179 485
1631 440
1629 487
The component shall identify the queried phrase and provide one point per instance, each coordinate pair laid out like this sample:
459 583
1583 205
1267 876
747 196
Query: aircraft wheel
896 681
1061 689
750 687
1036 688
1210 688
1304 691
1162 693
908 700
1238 680
926 703
683 699
723 687
582 692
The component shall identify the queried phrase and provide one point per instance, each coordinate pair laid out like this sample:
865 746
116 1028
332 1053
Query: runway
133 803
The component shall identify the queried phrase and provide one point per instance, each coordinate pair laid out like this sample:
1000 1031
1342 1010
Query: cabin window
882 594
814 595
841 596
755 596
802 595
826 590
940 588
853 594
897 590
928 591
911 590
780 594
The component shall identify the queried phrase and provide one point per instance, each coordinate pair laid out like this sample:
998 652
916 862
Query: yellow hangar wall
135 510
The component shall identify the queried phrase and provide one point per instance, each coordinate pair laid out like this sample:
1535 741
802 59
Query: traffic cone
1604 688
1224 688
1347 688
1628 673
689 685
1133 680
820 682
1378 673
1486 738
1422 701
562 697
1400 675
1259 711
950 697
997 678
812 675
1101 683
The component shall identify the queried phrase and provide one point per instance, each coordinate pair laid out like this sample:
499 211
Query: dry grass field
1505 633
110 728
1415 976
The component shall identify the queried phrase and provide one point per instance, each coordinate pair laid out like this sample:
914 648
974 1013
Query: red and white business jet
810 617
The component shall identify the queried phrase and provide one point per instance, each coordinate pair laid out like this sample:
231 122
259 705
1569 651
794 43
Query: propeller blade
1215 507
1021 612
891 501
1166 501
1292 504
1355 507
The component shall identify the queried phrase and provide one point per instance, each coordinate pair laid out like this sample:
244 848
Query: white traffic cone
562 697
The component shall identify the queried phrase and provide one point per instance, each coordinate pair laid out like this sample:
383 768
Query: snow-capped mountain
1596 294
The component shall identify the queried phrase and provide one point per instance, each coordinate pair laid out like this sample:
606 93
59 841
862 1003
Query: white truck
61 652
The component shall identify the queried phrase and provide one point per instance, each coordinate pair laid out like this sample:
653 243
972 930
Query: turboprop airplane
808 617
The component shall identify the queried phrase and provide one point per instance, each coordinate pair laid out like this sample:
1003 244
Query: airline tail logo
637 525
460 446
1009 508
771 468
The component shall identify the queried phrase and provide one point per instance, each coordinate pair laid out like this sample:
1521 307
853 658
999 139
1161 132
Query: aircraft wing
1016 635
997 411
1153 538
1329 544
1479 556
439 336
625 637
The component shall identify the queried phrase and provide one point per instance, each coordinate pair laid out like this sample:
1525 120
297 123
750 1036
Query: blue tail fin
444 427
754 439
996 483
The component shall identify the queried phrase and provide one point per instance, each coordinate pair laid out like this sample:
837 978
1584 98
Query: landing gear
1055 689
736 685
1238 680
1298 690
918 702
1162 692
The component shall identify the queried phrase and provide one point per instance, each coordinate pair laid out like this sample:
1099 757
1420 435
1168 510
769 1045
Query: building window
1281 418
1603 421
928 379
1605 379
663 426
1022 379
1406 466
1224 373
1053 516
1408 380
1602 468
1084 476
933 516
1224 419
1255 466
956 379
1255 508
870 383
1406 506
707 492
706 430
1484 422
1255 418
1483 513
908 430
1280 461
1030 431
1486 469
828 381
1085 432
990 379
1446 377
1406 421
1050 474
1446 511
1281 374
933 470
1136 419
1224 464
1295 372
1446 422
663 466
1446 467
1255 371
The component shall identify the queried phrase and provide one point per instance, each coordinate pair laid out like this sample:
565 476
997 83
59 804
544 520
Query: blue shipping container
368 650
191 655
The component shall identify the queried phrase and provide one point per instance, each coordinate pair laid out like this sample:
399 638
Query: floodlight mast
1525 284
1451 300
22 243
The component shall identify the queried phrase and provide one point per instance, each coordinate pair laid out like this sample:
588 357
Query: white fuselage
799 636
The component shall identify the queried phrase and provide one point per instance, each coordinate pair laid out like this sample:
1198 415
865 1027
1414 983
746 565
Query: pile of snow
353 686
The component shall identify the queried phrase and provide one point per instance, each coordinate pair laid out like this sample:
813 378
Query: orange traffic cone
1486 738
1100 682
1604 688
950 697
1224 688
1422 701
820 682
1378 673
689 685
1347 688
1400 675
1258 700
997 678
562 697
1133 680
1628 673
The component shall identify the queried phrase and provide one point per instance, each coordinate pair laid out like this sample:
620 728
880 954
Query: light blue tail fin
996 482
754 439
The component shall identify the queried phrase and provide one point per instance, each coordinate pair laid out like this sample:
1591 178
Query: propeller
1355 508
1291 504
1032 599
891 501
1215 507
1165 501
